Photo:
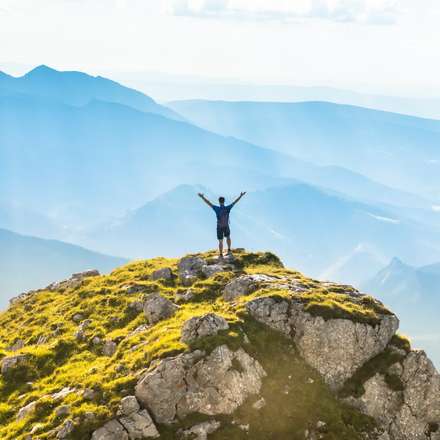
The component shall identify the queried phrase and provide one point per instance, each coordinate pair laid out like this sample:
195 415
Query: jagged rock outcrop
201 430
334 347
202 326
409 413
195 382
157 308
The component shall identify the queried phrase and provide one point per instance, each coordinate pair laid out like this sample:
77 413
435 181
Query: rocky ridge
201 348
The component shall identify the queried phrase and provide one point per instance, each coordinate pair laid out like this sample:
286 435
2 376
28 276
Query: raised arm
238 198
202 196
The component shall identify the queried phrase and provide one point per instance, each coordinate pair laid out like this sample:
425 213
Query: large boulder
202 326
157 308
245 284
412 413
212 384
334 347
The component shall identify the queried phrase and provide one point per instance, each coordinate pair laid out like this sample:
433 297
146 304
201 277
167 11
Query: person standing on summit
222 213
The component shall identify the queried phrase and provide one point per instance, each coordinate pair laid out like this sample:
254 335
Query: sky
382 46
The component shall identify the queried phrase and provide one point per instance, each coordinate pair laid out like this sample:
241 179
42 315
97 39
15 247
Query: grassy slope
294 402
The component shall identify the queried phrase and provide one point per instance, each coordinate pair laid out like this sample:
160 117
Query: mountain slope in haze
415 293
198 348
29 262
78 89
54 154
303 223
396 150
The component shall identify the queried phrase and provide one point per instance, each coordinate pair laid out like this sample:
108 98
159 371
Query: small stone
66 429
10 363
162 274
244 427
60 395
62 410
109 348
259 404
27 410
89 394
202 326
129 405
321 426
139 425
96 340
157 308
77 317
112 430
136 306
202 430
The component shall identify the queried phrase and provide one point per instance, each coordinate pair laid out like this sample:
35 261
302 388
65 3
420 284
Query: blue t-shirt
222 213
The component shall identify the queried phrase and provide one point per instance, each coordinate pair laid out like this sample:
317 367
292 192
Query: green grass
63 361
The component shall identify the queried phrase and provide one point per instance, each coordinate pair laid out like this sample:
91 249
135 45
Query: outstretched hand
242 193
201 195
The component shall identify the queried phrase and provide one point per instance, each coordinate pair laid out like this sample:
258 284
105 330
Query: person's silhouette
222 212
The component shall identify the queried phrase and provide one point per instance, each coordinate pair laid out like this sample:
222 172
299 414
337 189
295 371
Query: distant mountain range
415 294
78 89
30 263
396 150
318 231
168 87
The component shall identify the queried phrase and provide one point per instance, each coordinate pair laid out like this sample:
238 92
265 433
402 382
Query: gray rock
162 274
129 405
245 284
212 269
66 429
62 410
109 348
89 394
139 425
27 410
191 264
74 281
196 383
336 348
17 345
202 326
136 306
187 279
157 308
202 430
10 363
407 414
77 317
133 288
112 430
60 395
259 404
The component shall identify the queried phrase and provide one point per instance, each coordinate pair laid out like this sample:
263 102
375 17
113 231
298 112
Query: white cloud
362 11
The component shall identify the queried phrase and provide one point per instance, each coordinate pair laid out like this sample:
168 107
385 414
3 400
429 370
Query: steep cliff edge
199 348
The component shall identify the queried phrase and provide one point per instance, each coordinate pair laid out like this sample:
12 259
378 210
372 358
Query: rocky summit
202 348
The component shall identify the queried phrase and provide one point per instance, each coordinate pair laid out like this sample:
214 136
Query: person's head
221 200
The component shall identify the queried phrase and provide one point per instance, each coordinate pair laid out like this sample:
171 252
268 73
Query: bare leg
220 248
228 241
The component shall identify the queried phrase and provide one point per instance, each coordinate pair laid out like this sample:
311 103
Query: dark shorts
223 232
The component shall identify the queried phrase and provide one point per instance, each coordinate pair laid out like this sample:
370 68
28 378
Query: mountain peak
243 325
41 70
